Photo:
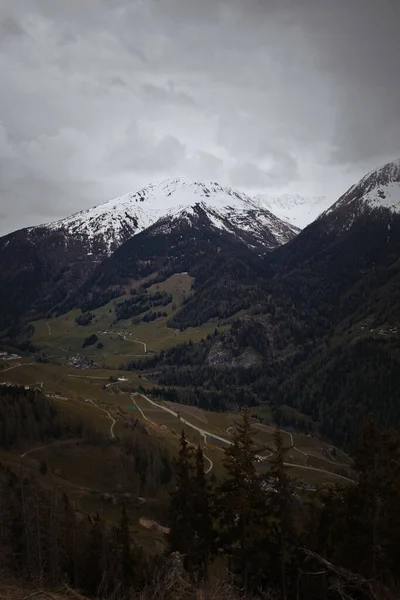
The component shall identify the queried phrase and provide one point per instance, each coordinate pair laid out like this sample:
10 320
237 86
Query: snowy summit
119 219
379 189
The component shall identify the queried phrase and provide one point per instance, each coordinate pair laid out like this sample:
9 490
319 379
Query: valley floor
111 406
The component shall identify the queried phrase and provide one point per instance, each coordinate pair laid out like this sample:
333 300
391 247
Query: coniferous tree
124 551
131 568
69 535
203 526
95 565
182 531
191 531
282 538
242 509
362 521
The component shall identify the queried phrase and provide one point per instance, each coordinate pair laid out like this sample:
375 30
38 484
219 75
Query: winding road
16 366
305 466
55 443
203 432
87 377
113 421
135 341
206 433
74 440
57 347
292 446
175 414
200 430
32 450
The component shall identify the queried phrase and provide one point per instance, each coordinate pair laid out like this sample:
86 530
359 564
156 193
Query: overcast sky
100 97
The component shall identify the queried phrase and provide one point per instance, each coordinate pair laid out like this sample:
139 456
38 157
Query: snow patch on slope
386 196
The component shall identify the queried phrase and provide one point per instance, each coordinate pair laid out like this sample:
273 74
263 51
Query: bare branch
348 585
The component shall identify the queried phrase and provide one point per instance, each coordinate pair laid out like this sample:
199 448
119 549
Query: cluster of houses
81 362
7 356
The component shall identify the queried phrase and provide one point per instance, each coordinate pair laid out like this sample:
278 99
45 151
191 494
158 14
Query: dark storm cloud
100 97
357 44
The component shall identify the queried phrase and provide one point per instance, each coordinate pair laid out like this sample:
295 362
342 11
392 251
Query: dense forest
48 263
336 380
92 301
278 543
272 540
342 382
26 415
324 318
139 303
43 540
223 287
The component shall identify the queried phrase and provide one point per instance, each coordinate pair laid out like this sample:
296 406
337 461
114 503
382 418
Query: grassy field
61 337
87 471
87 395
76 388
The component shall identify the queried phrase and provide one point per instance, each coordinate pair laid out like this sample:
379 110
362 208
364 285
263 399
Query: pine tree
242 508
283 540
202 521
191 528
368 456
182 532
95 559
124 543
69 535
364 520
131 569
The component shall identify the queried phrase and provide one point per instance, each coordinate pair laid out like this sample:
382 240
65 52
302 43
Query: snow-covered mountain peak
294 208
380 188
384 175
113 222
174 193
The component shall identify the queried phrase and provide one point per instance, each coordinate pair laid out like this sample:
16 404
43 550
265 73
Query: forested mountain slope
54 260
224 267
326 320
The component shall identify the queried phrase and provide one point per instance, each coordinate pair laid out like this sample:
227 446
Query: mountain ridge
326 302
120 218
326 319
54 260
